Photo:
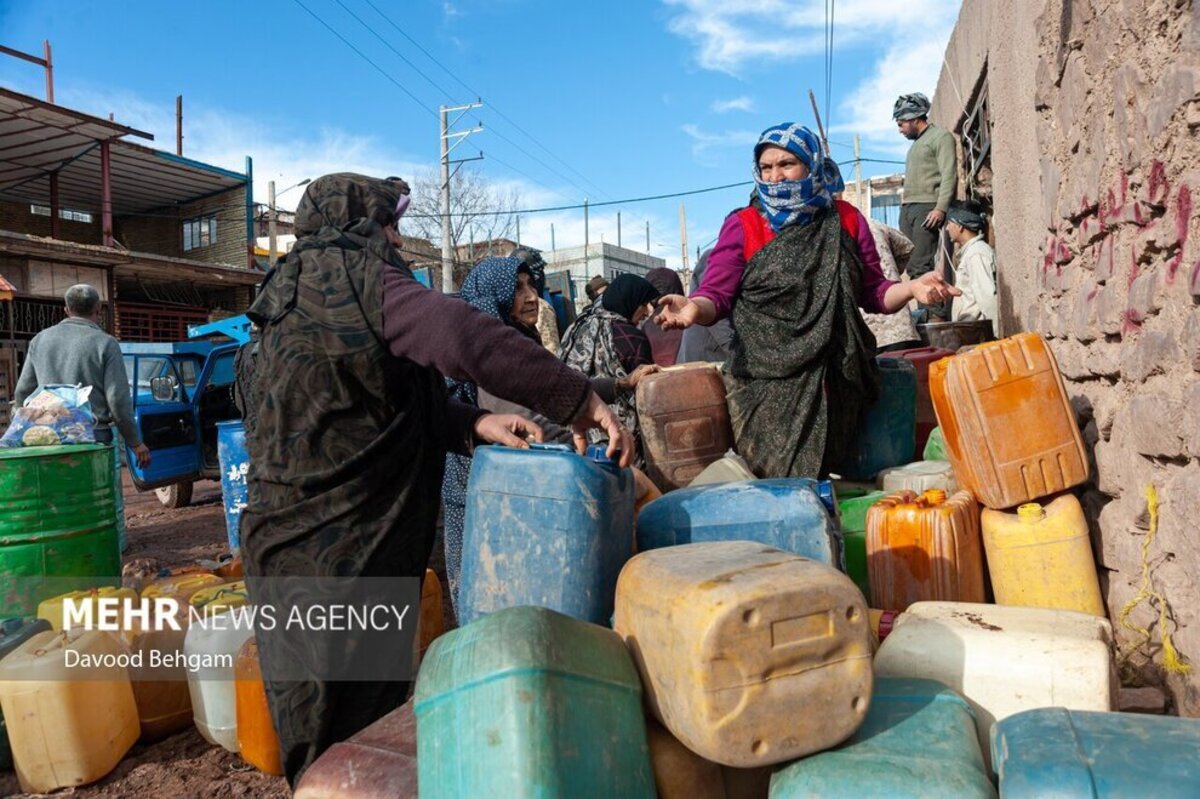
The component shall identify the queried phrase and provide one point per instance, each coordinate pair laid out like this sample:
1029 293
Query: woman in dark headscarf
606 342
791 271
664 343
347 427
504 289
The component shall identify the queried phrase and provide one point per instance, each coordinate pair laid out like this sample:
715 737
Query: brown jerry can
378 762
685 423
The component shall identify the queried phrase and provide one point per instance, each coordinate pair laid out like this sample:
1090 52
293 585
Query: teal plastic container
529 703
58 524
13 633
547 527
888 434
853 505
918 740
1073 754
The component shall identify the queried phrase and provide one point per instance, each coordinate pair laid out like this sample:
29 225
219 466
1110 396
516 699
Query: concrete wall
1096 109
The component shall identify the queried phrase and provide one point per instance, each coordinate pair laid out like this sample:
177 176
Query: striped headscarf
797 201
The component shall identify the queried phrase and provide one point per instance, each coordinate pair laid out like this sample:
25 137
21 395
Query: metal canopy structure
55 156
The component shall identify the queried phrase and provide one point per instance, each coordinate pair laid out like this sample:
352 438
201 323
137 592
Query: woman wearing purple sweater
791 271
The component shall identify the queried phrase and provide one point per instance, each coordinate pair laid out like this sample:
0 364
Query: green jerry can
58 524
918 740
853 504
528 703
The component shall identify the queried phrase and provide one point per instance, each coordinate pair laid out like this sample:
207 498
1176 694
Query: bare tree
480 210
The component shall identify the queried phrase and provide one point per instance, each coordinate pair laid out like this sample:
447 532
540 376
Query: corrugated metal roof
38 139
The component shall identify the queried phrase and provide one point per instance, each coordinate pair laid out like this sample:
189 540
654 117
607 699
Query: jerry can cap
598 453
933 497
1031 512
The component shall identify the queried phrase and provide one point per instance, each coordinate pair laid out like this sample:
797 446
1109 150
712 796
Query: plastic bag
52 415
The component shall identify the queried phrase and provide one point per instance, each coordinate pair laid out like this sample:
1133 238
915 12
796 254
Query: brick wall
161 231
17 218
1096 109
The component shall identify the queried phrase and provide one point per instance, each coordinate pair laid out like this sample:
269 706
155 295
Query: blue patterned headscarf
797 201
489 287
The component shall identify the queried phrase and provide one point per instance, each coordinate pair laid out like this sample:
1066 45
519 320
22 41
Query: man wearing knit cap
930 180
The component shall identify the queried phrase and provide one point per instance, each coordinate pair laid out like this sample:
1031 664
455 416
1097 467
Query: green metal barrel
58 524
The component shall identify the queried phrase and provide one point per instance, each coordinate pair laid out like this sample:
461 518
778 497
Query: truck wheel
176 495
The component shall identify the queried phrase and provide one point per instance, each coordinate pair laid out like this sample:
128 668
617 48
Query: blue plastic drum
235 462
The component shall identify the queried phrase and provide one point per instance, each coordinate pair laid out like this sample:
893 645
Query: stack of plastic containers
1012 439
1004 660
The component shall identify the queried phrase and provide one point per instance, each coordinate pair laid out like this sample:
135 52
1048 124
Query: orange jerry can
685 423
1010 433
432 622
924 547
256 736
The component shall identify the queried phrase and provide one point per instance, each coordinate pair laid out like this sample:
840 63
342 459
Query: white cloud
449 10
903 68
703 141
731 36
223 138
742 103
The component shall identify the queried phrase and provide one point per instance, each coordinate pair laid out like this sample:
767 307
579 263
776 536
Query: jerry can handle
597 453
551 447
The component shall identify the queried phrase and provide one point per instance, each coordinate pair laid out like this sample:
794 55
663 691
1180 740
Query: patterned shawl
797 201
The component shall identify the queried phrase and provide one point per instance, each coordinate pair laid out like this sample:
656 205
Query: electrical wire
493 106
364 57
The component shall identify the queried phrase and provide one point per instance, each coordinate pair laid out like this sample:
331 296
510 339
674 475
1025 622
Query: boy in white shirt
975 270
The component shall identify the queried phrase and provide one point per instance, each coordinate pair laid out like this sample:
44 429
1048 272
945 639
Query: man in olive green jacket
930 180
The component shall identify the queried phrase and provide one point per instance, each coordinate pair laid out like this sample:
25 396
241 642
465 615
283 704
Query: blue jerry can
1053 751
918 740
888 435
529 703
547 527
235 463
786 513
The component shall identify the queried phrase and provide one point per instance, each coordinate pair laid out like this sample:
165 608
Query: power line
399 55
495 108
364 57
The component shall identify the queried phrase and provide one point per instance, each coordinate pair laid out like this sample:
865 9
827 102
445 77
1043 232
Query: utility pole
647 236
518 230
618 228
858 198
447 148
179 124
552 244
270 223
683 248
586 237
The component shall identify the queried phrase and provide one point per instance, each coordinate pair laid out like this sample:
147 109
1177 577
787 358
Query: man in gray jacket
77 351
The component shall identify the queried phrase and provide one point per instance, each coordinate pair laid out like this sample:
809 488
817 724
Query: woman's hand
678 312
597 414
630 382
507 429
930 289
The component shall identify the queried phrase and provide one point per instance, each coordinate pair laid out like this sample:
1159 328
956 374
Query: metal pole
54 206
683 248
618 228
106 226
552 245
518 230
447 257
270 223
179 124
858 198
586 239
647 235
49 71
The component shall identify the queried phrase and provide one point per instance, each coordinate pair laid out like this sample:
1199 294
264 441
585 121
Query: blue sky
622 99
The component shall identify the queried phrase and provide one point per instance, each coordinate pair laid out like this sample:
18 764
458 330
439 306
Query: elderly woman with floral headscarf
791 271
